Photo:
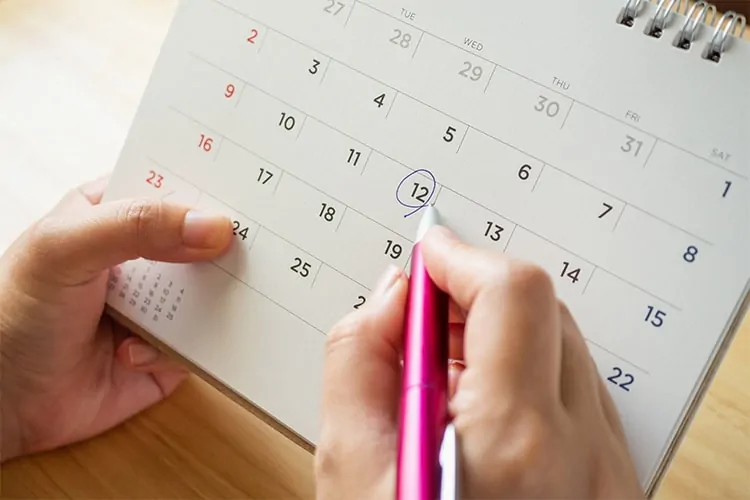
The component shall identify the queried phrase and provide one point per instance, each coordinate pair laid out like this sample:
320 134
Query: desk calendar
607 141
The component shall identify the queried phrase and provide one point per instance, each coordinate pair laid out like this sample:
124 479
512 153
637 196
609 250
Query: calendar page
556 132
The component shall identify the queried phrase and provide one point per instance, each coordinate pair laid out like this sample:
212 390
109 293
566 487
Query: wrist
10 433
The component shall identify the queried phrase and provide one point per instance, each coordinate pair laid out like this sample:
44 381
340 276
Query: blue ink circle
416 208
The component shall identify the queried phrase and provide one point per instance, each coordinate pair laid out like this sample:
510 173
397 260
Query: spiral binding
700 14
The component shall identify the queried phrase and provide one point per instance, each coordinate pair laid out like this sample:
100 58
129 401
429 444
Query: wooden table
71 75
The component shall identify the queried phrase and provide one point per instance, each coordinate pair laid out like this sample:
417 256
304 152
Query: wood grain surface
71 75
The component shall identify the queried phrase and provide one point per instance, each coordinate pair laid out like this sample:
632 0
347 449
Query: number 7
608 209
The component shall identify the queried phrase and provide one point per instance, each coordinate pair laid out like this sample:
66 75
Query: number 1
728 185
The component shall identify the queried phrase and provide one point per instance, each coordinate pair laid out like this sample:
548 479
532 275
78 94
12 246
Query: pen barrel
424 387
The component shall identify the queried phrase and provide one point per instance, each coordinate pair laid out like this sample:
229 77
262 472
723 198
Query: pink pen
424 393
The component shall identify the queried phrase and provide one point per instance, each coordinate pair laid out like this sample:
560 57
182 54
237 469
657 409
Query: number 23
155 179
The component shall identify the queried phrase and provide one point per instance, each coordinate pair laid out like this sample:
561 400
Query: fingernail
389 278
142 354
204 229
456 364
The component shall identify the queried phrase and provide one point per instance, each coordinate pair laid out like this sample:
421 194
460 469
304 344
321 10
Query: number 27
334 7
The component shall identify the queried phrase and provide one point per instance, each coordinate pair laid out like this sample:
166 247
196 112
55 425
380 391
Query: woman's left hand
68 371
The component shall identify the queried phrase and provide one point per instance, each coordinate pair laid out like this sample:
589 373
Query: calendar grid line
367 161
650 153
409 168
463 139
588 281
657 138
349 16
317 273
341 219
473 54
419 42
239 97
469 127
619 217
550 89
567 115
637 367
538 177
393 102
497 65
262 227
325 72
558 246
510 238
270 299
487 85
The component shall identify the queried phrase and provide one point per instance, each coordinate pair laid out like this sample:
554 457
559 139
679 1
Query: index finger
513 332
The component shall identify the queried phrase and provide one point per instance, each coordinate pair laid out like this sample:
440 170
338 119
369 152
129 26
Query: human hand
68 371
532 415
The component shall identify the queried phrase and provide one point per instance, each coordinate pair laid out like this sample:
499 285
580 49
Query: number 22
625 386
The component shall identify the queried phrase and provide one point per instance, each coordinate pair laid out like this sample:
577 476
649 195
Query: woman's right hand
533 417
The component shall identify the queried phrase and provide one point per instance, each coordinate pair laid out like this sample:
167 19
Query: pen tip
430 218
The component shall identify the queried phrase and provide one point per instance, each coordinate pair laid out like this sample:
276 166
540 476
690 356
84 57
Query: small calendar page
566 136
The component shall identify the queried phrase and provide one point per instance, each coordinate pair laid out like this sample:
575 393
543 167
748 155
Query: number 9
229 91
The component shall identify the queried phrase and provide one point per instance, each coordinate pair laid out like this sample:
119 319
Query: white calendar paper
545 130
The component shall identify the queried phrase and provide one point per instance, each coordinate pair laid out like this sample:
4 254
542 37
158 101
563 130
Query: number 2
625 386
361 300
420 193
155 179
253 36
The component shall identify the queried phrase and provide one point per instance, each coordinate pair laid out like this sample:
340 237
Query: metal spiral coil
701 14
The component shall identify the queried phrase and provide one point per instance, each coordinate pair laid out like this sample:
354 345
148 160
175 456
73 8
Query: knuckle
345 333
139 218
529 279
533 437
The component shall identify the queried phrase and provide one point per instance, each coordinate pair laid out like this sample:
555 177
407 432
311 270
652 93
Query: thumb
363 369
78 246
